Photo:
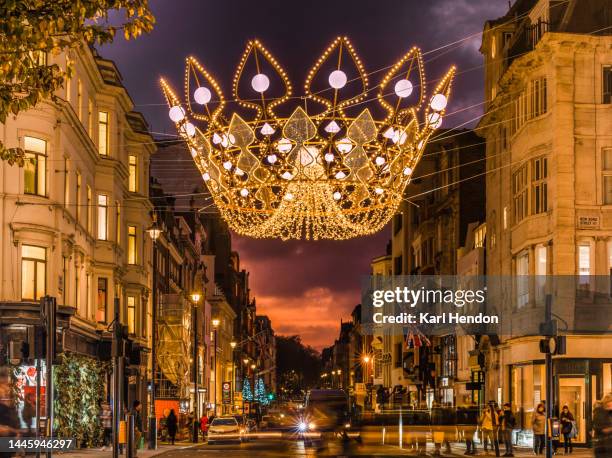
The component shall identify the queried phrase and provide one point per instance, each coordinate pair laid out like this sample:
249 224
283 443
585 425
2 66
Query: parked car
223 429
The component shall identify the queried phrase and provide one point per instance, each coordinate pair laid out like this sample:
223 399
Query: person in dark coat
172 425
567 424
602 424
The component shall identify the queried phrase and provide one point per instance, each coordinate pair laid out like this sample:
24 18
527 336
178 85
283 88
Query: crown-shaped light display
335 166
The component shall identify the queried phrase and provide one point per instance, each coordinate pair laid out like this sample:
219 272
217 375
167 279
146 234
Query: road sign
227 392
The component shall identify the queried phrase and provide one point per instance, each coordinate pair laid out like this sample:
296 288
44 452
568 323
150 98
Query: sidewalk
146 453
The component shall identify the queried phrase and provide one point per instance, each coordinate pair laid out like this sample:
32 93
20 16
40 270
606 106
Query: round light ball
227 165
337 195
202 95
287 175
380 160
244 192
189 129
329 157
260 82
176 113
289 196
403 88
272 158
284 145
205 176
337 79
435 120
379 191
340 175
408 171
438 102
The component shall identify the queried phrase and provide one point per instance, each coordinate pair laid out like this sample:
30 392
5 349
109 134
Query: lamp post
233 345
195 298
215 323
154 232
366 360
253 366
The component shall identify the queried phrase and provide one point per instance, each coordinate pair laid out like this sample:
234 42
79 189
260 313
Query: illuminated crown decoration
327 169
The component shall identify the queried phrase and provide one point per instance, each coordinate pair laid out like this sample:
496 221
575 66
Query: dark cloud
285 275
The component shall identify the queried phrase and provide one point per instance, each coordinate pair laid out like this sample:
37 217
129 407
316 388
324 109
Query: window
519 191
133 178
79 184
68 82
88 296
89 210
132 245
522 279
118 216
79 100
505 218
103 133
131 314
77 284
607 84
541 260
607 176
90 118
528 104
33 272
539 192
102 217
102 300
35 167
537 98
479 236
66 182
584 264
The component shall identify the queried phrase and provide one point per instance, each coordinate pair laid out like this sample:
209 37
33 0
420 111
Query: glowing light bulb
337 79
344 145
438 102
403 88
205 176
260 82
389 133
216 138
408 171
284 145
194 152
272 158
340 175
202 95
239 171
176 113
189 129
380 160
287 176
379 191
227 165
329 157
244 192
332 128
267 129
337 195
289 196
434 120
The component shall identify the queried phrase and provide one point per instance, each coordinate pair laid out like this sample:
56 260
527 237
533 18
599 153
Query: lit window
89 210
537 98
133 178
102 217
102 300
479 236
584 264
35 167
541 260
131 314
522 279
79 100
103 133
132 245
519 191
33 272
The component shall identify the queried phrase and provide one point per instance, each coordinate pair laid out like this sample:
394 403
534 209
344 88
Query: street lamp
233 382
195 298
253 366
154 232
215 322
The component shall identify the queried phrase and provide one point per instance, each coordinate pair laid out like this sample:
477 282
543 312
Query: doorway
572 394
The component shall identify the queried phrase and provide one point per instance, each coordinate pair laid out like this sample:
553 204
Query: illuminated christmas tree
247 394
260 391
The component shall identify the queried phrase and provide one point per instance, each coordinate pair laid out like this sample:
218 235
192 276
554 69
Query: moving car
224 429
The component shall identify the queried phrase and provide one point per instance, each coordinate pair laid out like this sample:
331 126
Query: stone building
73 219
548 131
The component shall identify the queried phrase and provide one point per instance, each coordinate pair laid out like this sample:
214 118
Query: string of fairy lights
327 175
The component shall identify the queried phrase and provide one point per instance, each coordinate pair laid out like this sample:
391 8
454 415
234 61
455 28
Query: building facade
548 130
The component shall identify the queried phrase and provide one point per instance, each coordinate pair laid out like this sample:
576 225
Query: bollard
131 446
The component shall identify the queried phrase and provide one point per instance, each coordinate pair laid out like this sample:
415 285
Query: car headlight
311 426
347 426
302 426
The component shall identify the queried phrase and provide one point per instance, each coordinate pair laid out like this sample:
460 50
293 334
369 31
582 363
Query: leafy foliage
32 29
79 389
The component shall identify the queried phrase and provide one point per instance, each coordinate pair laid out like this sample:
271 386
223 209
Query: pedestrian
172 424
136 409
204 425
489 426
602 424
538 425
568 425
106 420
508 423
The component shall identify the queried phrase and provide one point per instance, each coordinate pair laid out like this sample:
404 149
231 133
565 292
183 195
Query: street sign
247 408
227 392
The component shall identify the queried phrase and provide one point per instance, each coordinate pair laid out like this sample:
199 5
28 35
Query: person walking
136 412
567 428
172 425
106 420
602 425
204 425
508 423
489 425
538 425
